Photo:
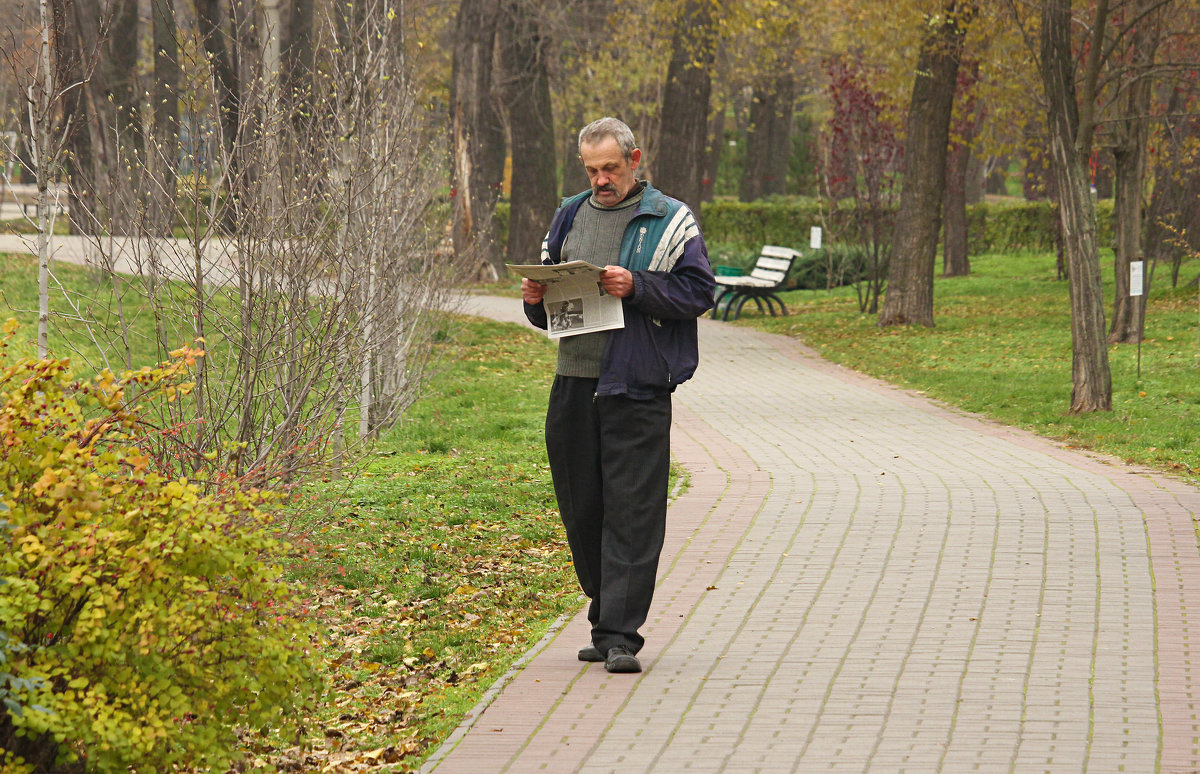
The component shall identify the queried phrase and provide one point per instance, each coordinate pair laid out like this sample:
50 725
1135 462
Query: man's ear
635 158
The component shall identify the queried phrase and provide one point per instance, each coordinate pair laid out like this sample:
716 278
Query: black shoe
620 660
590 653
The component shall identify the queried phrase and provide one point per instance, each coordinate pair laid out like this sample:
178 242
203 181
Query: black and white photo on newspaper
575 301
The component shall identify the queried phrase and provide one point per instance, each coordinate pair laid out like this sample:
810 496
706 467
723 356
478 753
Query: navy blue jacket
672 286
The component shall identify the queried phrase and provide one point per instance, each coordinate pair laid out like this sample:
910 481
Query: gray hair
608 127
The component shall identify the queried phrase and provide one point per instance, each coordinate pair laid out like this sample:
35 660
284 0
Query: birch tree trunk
42 123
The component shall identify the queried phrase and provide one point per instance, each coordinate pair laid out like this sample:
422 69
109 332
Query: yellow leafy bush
144 620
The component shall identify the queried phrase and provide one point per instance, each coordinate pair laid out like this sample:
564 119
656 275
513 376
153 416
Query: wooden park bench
761 284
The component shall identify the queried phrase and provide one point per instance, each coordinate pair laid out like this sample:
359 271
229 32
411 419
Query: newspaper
575 301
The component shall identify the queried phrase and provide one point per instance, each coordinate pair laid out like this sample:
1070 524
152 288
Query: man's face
609 172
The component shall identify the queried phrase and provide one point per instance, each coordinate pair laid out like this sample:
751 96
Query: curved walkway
860 580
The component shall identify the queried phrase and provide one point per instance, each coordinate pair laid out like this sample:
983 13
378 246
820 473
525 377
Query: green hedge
992 227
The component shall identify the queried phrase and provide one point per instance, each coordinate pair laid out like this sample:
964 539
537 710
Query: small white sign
1136 272
814 238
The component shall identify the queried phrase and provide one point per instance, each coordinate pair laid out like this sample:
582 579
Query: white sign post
1137 288
814 238
1136 273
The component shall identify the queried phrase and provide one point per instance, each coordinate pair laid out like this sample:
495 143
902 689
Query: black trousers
610 460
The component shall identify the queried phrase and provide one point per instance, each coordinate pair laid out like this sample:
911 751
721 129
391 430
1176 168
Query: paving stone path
860 580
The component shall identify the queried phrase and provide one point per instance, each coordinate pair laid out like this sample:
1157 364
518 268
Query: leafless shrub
304 256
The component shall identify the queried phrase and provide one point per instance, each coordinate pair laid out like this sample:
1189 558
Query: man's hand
617 281
532 292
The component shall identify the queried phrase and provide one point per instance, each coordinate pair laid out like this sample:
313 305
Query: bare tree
50 69
319 311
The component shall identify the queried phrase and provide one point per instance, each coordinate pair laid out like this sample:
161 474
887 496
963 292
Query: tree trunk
576 55
42 129
1130 159
165 95
683 132
247 51
1173 216
126 150
1101 169
1037 176
995 179
956 258
779 136
975 180
768 138
1071 141
213 33
478 135
525 93
297 53
574 177
1128 312
909 299
76 31
757 159
712 158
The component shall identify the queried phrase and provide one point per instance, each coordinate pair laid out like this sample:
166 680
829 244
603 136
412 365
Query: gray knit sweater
595 237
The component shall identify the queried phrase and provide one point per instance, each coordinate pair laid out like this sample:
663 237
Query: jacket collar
653 202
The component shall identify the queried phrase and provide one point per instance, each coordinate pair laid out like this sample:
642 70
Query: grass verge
443 563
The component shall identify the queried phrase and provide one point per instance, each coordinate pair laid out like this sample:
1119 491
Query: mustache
607 187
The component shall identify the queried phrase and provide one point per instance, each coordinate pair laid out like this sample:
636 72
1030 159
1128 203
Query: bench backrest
774 263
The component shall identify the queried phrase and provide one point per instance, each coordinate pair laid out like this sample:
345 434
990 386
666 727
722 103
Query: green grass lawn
90 348
1001 347
27 227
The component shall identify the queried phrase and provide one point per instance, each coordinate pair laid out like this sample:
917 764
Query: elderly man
608 424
